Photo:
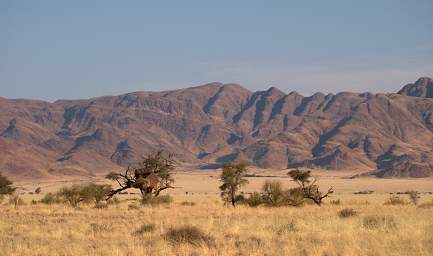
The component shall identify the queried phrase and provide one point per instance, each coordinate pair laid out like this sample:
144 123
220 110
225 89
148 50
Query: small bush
145 228
188 234
379 222
34 202
347 212
38 190
186 203
51 198
395 200
151 200
414 196
255 199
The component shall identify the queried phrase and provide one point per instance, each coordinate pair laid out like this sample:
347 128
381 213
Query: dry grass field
206 227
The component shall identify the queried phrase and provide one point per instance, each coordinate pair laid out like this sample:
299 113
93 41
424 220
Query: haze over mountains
390 135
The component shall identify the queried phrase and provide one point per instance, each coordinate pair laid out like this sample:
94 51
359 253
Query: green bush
414 196
51 198
255 199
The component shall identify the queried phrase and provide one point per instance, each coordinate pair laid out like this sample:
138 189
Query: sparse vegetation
414 196
188 234
6 187
395 200
383 222
232 178
51 198
151 176
347 212
151 200
145 228
16 200
308 187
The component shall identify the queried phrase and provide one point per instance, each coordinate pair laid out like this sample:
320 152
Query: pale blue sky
78 49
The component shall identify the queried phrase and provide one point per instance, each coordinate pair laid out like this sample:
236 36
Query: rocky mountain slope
390 134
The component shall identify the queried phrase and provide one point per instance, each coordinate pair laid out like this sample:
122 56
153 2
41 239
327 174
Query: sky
79 49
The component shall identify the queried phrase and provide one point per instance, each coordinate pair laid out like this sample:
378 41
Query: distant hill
205 126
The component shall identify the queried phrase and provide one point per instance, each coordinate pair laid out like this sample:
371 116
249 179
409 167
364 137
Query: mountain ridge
210 124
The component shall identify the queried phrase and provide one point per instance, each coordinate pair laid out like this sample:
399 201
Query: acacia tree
308 186
150 176
233 178
6 187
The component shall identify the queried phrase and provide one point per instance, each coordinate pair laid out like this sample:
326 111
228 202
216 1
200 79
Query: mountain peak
423 87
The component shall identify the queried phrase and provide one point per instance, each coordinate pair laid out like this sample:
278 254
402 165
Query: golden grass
309 230
376 229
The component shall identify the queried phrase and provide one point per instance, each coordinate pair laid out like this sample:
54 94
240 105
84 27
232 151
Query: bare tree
233 178
151 176
308 186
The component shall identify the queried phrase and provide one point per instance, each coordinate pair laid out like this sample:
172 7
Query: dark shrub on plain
51 198
188 234
347 212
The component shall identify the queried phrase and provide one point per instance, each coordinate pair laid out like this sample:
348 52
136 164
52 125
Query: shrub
6 187
94 192
152 200
347 212
273 193
255 199
188 234
379 222
72 195
145 228
395 200
38 190
186 203
51 198
413 196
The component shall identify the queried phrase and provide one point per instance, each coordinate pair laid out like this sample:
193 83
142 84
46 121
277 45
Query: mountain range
386 134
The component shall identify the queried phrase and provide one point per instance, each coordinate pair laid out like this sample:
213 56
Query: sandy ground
207 182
